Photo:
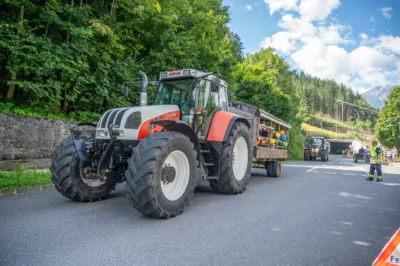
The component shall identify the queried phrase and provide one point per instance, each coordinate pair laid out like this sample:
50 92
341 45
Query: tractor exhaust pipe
143 89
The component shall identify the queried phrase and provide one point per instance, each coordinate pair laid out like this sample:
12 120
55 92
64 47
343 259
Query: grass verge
315 131
20 178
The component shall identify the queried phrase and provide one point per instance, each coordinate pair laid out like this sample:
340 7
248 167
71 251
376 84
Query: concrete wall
28 138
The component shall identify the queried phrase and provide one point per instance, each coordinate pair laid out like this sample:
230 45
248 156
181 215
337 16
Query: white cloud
390 43
317 10
249 7
313 43
276 5
386 11
282 41
372 18
364 36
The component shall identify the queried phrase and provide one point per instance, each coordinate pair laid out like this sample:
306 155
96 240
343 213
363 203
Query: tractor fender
221 125
181 127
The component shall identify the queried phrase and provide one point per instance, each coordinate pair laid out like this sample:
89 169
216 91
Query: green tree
72 56
263 79
388 123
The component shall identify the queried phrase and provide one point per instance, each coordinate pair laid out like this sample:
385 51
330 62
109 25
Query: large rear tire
236 161
67 175
162 174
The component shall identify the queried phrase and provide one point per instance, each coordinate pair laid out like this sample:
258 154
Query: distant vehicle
316 147
357 156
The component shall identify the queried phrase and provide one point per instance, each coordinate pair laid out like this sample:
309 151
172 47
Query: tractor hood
133 123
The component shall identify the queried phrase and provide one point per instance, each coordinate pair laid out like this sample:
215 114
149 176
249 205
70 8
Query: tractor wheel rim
240 158
90 180
174 187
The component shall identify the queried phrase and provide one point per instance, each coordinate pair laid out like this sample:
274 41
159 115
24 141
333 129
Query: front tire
236 161
67 175
162 174
306 156
323 156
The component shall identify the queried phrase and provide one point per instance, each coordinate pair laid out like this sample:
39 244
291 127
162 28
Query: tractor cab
196 93
316 142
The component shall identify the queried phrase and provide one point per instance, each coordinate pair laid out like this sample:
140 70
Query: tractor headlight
101 133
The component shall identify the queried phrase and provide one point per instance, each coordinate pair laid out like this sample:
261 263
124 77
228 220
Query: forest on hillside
326 97
69 58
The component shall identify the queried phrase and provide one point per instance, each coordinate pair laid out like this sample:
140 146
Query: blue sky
355 42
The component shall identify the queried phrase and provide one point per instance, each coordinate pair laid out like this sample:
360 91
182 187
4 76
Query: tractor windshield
179 92
316 142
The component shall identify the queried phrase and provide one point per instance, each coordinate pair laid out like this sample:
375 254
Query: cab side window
223 99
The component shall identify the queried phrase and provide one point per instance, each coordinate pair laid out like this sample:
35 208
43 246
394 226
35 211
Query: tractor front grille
113 116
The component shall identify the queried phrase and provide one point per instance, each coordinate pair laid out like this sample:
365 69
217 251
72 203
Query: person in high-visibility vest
375 163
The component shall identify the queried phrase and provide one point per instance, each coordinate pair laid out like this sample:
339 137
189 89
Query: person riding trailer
376 155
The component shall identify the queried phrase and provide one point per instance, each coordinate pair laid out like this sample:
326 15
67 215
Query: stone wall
28 138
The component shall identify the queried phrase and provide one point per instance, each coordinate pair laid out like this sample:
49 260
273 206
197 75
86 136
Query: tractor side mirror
125 90
215 82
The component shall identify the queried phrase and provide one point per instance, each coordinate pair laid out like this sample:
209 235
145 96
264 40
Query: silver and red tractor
159 150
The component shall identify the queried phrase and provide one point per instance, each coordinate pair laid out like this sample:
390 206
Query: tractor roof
187 73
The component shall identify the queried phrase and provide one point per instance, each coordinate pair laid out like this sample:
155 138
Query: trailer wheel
67 175
162 174
268 168
276 169
236 161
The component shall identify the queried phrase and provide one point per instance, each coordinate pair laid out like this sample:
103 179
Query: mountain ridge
377 95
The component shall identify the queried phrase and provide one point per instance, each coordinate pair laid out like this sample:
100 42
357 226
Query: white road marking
334 173
346 194
390 184
347 223
294 165
352 164
361 243
316 168
347 174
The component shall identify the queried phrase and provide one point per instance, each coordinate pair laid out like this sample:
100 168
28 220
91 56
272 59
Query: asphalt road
314 214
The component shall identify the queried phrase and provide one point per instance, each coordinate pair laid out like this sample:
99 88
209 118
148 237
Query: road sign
390 254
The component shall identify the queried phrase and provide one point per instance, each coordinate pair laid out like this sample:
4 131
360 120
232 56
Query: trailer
269 148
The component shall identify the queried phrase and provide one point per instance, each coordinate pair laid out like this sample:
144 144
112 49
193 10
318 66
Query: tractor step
212 177
208 164
204 151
